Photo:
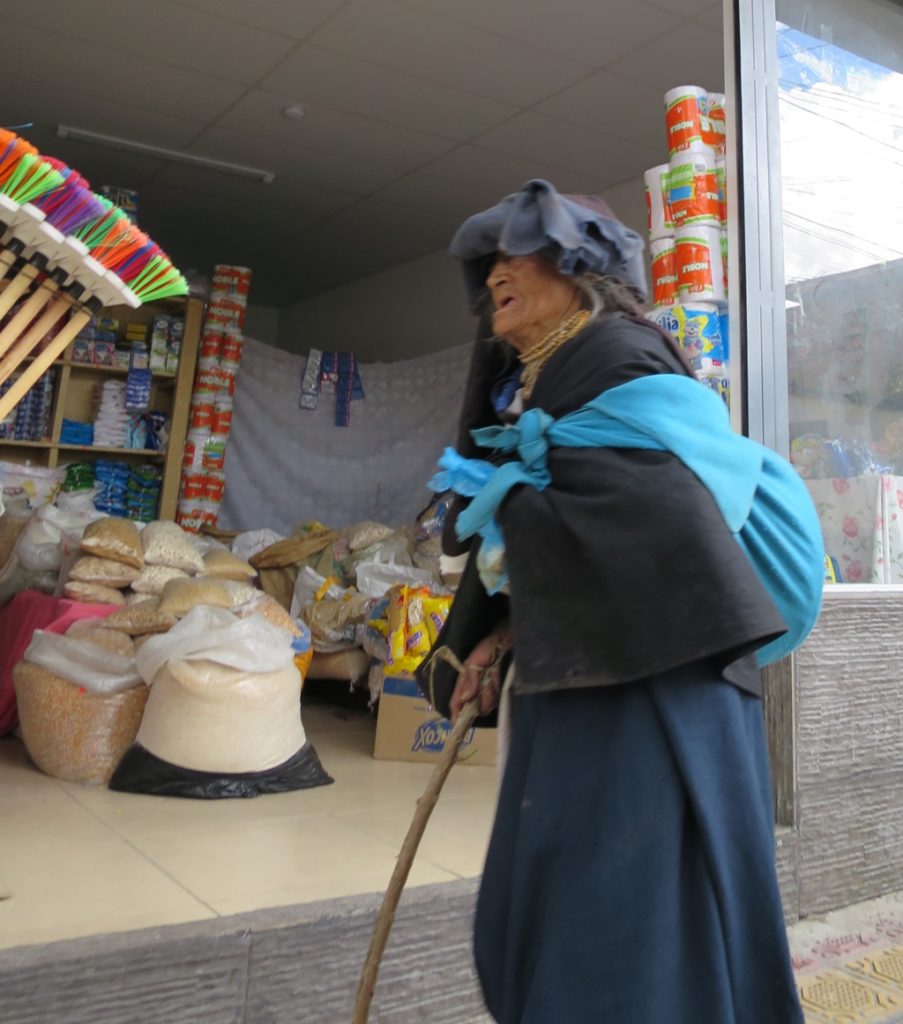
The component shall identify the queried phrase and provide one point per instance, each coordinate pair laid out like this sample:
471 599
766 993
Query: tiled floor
78 861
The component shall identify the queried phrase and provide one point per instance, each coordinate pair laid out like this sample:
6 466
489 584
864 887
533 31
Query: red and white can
193 486
215 487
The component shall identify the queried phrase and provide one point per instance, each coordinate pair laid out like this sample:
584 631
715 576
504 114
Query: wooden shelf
74 394
99 368
146 453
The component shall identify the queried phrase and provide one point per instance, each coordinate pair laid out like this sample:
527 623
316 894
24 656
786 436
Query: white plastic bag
215 634
307 585
82 662
247 545
30 486
374 579
78 501
41 545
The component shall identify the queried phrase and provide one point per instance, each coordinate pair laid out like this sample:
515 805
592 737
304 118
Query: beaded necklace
534 360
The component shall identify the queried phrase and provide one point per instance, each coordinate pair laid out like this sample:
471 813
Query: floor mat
849 965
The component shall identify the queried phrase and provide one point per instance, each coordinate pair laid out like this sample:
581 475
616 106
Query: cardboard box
408 728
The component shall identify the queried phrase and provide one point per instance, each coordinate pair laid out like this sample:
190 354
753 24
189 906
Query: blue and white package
699 334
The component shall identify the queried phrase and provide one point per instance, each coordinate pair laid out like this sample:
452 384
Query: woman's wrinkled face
529 297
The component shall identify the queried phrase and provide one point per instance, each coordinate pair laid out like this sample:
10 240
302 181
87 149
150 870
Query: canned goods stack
210 416
686 204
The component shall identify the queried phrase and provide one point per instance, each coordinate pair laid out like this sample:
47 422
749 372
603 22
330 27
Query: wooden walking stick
425 804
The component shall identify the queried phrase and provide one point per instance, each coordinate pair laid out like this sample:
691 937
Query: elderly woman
630 877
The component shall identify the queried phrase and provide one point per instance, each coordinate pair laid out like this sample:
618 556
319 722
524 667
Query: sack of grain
223 717
106 572
73 734
154 578
92 593
79 661
114 538
181 595
166 543
222 563
271 610
92 631
241 593
363 535
140 618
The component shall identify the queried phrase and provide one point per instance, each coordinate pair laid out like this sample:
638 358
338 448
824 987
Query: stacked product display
165 670
210 418
30 420
686 200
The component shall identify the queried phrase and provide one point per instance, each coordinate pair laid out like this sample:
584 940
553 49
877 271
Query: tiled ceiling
417 113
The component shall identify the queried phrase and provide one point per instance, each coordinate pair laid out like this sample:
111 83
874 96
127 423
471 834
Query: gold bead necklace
536 358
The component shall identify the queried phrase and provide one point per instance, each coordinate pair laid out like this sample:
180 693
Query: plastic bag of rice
73 734
139 619
166 543
92 632
363 535
180 596
155 577
92 593
222 563
241 593
272 611
106 572
114 538
131 599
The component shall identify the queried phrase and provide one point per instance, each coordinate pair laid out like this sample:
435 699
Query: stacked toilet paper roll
684 118
712 121
699 264
694 118
660 221
693 181
664 271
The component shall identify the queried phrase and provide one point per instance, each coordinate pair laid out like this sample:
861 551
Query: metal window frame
755 214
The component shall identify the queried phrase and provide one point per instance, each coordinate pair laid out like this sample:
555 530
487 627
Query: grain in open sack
139 619
180 596
155 577
106 572
166 543
114 538
70 733
92 593
222 563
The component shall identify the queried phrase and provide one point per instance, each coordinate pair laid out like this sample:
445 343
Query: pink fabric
19 618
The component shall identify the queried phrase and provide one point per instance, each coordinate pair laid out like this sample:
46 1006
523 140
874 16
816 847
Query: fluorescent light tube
65 131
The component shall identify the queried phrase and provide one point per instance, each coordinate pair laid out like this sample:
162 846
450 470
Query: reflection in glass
841 117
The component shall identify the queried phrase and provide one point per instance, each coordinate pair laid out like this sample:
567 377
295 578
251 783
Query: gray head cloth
580 232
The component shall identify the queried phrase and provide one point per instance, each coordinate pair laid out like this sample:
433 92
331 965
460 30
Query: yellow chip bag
435 612
397 617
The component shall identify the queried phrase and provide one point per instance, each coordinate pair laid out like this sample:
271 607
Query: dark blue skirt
630 877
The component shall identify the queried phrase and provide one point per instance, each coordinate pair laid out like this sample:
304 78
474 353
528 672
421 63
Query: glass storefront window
840 96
